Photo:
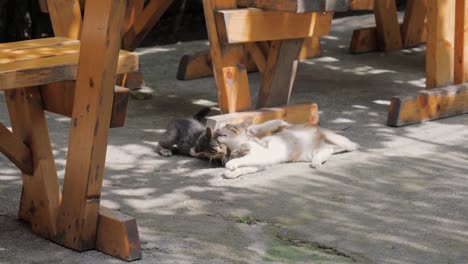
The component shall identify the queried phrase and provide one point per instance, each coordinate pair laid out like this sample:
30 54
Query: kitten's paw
316 164
165 152
232 165
231 174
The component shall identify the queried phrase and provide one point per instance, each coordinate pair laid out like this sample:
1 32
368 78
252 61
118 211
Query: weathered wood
117 235
297 6
263 25
461 42
78 216
58 98
280 73
258 56
361 4
301 113
66 18
413 30
41 193
440 43
15 150
228 62
428 105
388 29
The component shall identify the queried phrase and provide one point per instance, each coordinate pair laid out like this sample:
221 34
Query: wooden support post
41 192
428 105
257 55
413 30
361 4
280 73
15 150
296 114
388 29
78 217
297 6
66 18
312 47
461 42
118 235
229 63
440 43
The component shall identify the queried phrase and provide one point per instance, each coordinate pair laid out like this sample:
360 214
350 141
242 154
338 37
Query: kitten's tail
200 115
339 140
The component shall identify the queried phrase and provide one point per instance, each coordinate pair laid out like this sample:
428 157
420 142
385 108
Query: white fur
291 144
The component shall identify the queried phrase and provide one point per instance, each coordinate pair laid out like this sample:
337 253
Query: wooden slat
428 105
58 98
250 25
461 42
144 23
280 73
35 43
301 113
52 69
15 150
361 4
41 193
228 62
117 235
257 55
413 30
297 6
78 216
311 48
38 53
66 18
440 43
388 29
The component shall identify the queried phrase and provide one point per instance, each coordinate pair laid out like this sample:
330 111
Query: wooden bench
76 79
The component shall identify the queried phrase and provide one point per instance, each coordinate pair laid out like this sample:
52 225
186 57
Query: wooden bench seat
44 61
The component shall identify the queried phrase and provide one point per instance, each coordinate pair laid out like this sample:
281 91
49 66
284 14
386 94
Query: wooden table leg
41 193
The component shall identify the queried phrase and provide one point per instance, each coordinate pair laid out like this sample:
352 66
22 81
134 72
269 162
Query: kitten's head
208 147
233 135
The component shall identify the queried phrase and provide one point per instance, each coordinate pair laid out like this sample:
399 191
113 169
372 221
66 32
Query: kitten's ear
247 123
209 133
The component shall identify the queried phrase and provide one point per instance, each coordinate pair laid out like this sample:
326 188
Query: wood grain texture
251 25
388 29
297 6
280 72
65 16
440 43
41 193
117 235
361 4
428 105
91 115
15 150
229 63
296 114
461 42
413 30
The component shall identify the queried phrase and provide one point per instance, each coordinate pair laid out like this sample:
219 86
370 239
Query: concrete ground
400 199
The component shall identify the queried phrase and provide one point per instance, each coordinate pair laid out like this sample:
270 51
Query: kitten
188 136
288 143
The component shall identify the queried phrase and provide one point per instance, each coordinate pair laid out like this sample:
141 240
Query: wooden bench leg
280 73
41 194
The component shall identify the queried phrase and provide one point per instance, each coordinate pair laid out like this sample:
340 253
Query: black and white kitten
188 136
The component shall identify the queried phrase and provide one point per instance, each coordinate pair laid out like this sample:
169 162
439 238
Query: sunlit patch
330 37
110 204
381 102
8 178
157 131
341 120
334 68
373 114
419 83
327 59
398 81
204 102
364 70
360 107
153 50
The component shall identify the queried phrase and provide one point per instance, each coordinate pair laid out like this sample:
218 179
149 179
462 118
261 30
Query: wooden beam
312 47
280 72
258 56
297 6
40 198
461 42
15 150
91 115
361 4
263 25
301 113
428 105
388 29
65 16
117 235
228 62
58 98
440 43
413 30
